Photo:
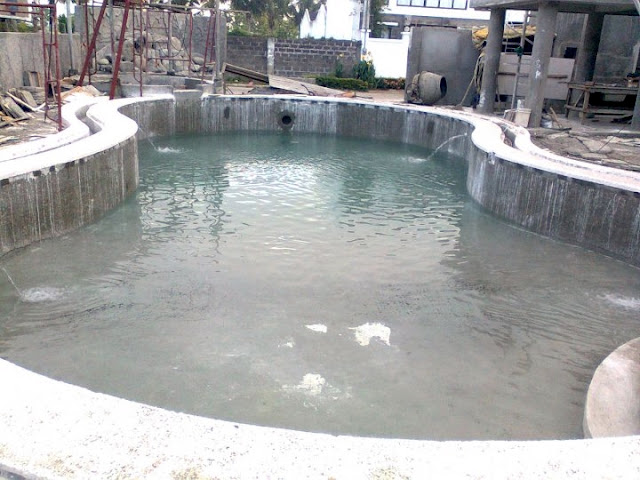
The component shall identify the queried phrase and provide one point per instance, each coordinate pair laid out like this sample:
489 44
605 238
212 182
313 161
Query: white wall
389 56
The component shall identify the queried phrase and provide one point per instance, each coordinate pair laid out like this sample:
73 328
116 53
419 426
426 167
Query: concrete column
590 42
414 64
271 56
492 61
542 45
635 121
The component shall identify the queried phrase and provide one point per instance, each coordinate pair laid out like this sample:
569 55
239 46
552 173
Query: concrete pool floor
53 430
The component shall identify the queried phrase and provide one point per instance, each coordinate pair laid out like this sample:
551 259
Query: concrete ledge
74 130
612 408
52 430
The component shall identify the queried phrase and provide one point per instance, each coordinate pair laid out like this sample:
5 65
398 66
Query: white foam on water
289 344
41 294
169 150
317 327
364 333
631 303
315 390
416 159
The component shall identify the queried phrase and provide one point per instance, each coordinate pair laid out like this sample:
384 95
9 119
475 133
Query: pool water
324 284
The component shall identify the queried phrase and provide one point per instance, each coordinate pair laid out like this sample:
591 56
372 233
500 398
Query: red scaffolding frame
141 25
50 53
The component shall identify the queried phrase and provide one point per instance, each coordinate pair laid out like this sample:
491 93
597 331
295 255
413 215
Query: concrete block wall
300 57
247 52
295 57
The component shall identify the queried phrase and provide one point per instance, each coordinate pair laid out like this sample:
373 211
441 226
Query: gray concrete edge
612 407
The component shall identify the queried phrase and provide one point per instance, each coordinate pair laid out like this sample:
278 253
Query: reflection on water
324 284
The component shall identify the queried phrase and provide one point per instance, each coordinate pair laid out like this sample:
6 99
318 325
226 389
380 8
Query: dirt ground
26 130
609 144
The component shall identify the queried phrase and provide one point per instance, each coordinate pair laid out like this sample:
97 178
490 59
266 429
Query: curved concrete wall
60 189
612 408
49 429
588 205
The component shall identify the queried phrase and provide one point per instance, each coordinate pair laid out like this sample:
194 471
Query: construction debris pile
17 103
22 111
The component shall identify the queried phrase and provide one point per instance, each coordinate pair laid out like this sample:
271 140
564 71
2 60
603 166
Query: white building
342 20
402 14
337 19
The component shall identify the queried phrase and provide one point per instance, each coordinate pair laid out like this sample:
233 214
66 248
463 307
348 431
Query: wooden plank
26 97
603 111
32 79
20 102
558 77
303 88
603 88
36 92
11 108
246 73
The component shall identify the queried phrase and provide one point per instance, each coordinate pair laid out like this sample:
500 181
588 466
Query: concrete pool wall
49 429
584 204
54 191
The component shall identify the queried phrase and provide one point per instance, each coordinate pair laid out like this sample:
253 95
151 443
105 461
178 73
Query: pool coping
612 407
50 429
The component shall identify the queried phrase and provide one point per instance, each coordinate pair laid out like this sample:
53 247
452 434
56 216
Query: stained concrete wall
20 52
576 211
56 191
552 199
584 213
445 51
619 36
48 203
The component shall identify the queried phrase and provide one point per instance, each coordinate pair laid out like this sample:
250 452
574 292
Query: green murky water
324 284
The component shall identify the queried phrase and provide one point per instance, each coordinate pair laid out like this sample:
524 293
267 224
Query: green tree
273 11
377 6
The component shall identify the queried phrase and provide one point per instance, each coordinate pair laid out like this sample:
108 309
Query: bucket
426 88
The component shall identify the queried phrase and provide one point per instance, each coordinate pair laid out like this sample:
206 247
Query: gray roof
614 7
